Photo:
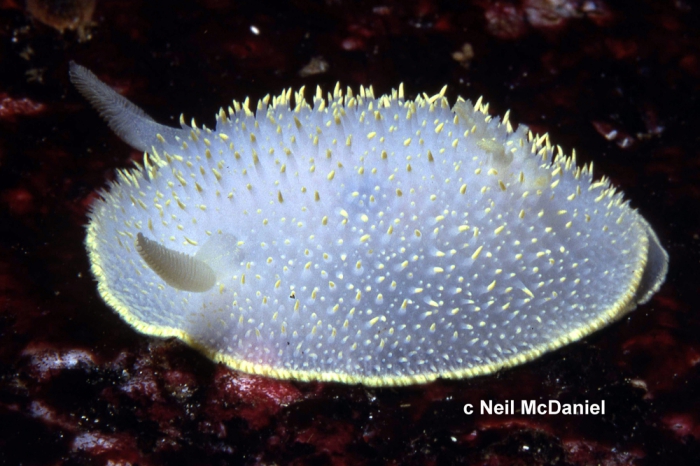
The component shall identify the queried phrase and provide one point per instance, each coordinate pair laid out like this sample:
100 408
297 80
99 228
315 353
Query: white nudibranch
382 241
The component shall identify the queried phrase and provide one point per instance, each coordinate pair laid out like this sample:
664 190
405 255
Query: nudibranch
382 241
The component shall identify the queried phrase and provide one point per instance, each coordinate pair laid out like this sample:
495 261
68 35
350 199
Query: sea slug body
382 241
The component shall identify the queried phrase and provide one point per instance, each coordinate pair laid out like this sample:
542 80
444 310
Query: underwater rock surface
79 386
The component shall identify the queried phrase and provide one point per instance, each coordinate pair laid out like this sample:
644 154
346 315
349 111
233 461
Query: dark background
617 80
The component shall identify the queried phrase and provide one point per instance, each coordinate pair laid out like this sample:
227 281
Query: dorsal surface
382 241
